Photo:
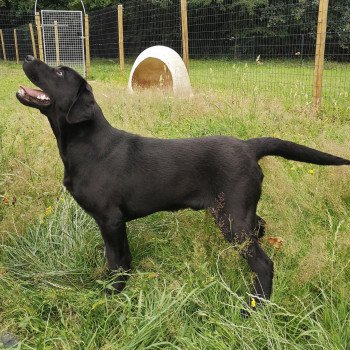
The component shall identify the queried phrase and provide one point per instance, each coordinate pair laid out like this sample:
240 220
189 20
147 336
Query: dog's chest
67 183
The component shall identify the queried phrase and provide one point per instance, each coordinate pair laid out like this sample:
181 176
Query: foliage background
280 22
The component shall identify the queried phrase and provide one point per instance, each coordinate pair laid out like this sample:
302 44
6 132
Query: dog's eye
59 73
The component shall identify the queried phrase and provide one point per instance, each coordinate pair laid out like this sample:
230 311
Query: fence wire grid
268 50
63 39
10 20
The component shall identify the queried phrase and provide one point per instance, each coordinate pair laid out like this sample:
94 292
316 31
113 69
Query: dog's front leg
117 249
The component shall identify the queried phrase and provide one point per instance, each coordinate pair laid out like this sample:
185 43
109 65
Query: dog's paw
245 313
251 307
116 287
116 282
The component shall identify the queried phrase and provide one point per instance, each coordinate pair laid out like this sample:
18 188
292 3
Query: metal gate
63 39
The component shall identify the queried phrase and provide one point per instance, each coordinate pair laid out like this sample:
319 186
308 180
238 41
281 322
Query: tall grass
187 285
52 292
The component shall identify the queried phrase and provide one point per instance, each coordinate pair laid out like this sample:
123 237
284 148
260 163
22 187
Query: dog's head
65 97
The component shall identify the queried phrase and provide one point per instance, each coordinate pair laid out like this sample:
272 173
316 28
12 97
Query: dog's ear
82 108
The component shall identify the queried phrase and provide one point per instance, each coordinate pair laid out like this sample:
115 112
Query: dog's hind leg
262 266
238 225
257 260
260 227
117 249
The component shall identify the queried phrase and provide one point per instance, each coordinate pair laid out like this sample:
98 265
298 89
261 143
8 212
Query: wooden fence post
319 55
57 43
33 39
16 45
87 46
121 37
184 28
40 38
3 45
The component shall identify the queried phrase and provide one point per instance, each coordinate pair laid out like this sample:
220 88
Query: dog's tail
269 146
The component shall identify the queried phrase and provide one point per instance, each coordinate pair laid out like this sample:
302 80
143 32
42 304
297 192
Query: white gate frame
82 29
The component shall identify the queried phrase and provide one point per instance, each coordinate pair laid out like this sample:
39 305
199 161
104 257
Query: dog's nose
29 58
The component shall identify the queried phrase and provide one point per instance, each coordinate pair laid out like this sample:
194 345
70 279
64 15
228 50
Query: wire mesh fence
268 49
336 81
145 24
104 33
63 39
258 52
10 20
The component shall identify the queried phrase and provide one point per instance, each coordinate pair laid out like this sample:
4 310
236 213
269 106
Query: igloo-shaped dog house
160 67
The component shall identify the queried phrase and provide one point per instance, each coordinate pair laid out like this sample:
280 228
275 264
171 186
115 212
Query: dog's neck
84 136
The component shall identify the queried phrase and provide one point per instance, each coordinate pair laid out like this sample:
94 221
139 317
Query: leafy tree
278 22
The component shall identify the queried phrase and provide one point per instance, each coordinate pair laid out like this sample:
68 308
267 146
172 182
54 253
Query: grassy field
291 82
187 285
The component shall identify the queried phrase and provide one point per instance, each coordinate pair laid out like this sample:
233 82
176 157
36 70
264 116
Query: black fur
116 176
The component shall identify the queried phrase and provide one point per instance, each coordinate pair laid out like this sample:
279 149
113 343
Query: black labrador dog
116 176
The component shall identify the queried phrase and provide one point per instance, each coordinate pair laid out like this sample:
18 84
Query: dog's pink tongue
33 92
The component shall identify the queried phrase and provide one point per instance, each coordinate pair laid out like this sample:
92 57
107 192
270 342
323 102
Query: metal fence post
319 55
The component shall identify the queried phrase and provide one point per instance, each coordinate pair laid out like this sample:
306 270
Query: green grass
290 81
187 285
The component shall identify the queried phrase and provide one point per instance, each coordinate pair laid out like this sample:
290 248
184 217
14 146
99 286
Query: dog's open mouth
35 96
